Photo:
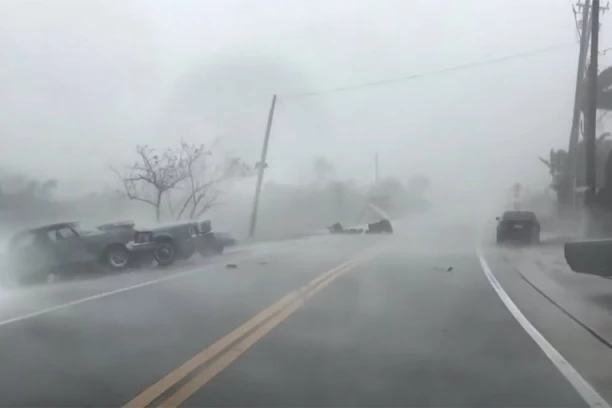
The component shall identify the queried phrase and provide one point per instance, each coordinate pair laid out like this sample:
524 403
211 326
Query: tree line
186 181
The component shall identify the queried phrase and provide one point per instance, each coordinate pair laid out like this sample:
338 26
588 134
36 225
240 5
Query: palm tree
557 163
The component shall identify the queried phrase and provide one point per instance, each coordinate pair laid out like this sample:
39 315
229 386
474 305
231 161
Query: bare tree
204 174
153 175
185 180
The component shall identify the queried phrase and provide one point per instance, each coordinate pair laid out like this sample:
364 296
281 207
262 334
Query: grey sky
83 81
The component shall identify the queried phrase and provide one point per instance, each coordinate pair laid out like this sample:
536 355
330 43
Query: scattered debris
450 268
231 266
381 227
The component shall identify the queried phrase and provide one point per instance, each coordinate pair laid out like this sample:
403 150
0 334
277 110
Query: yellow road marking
228 357
161 386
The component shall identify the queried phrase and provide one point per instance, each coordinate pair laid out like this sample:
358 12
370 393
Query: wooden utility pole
584 31
590 119
261 166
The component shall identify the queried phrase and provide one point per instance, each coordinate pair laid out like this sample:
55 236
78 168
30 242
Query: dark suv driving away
521 226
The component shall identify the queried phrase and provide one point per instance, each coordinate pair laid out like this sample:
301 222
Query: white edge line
586 391
106 294
117 291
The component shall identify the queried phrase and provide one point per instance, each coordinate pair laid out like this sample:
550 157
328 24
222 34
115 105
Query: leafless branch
191 170
206 174
152 176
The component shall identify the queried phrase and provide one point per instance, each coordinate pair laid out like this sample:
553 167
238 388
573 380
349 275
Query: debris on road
381 227
231 266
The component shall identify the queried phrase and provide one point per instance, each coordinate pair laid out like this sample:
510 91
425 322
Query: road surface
406 320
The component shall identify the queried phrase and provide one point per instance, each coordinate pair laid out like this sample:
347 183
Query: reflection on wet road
404 320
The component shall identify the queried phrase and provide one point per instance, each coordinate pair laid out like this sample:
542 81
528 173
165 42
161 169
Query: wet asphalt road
396 328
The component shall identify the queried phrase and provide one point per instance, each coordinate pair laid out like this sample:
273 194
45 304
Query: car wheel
117 258
165 253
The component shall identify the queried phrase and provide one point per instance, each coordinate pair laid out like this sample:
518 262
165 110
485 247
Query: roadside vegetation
191 181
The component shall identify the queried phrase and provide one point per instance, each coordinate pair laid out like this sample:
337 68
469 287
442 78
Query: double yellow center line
224 351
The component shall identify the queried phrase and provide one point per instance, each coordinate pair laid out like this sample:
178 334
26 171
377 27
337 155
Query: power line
440 71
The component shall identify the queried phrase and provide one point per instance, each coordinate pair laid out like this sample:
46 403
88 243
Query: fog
425 112
422 84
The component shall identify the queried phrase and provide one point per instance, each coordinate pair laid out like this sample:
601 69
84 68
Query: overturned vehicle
68 248
593 257
63 249
380 227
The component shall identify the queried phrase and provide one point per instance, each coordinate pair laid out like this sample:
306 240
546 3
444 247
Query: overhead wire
434 72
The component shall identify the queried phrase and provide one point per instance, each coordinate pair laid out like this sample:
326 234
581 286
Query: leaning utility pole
590 117
261 166
584 31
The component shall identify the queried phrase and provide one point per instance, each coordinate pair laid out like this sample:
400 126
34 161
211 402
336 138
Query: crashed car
592 257
381 227
64 248
165 244
518 226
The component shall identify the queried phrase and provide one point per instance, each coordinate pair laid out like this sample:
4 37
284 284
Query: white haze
83 82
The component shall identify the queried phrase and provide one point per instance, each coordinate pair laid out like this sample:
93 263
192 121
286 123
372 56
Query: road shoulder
588 355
